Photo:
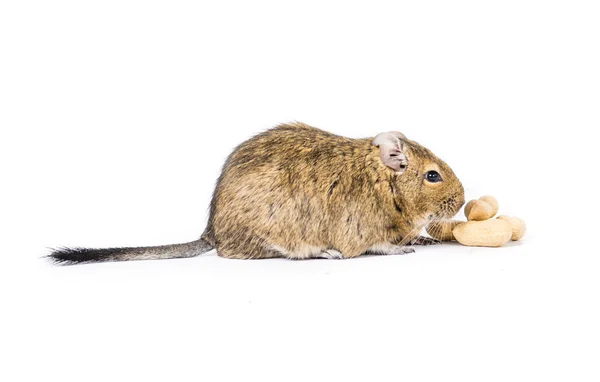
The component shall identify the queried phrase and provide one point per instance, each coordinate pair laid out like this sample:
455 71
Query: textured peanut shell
479 210
517 225
491 201
442 230
488 233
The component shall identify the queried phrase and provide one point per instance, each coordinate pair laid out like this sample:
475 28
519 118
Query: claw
422 240
330 254
400 251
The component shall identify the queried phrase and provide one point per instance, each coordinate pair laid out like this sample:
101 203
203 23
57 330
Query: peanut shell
516 224
488 233
442 230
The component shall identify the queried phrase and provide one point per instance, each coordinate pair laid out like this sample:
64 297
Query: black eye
433 177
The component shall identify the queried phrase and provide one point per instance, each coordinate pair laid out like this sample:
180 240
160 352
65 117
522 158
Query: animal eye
433 177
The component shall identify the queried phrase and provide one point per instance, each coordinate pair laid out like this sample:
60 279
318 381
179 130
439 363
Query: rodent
299 192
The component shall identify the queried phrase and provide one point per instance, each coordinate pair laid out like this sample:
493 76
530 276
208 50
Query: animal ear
391 150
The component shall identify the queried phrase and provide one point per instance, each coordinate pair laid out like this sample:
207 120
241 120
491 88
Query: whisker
415 230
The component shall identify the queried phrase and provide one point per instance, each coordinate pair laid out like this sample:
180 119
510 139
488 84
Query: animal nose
460 198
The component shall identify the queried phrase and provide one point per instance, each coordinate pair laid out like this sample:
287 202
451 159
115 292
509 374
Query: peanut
488 233
442 230
517 225
491 201
482 209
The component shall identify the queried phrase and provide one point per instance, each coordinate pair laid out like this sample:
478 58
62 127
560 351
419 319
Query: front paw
422 240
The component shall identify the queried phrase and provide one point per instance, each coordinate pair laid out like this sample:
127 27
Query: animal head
422 183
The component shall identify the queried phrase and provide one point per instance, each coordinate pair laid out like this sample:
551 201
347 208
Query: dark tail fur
93 255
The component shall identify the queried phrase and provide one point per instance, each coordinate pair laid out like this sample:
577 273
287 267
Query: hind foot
329 254
389 249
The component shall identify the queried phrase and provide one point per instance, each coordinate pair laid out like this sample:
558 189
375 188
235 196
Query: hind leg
329 254
247 248
254 254
388 249
254 248
306 252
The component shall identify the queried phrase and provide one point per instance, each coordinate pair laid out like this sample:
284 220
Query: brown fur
299 192
296 191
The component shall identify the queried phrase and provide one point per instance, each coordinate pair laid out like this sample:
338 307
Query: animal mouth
450 207
446 212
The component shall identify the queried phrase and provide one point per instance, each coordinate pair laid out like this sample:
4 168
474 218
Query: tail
68 256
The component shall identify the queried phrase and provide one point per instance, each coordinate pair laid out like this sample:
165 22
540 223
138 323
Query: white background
116 117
